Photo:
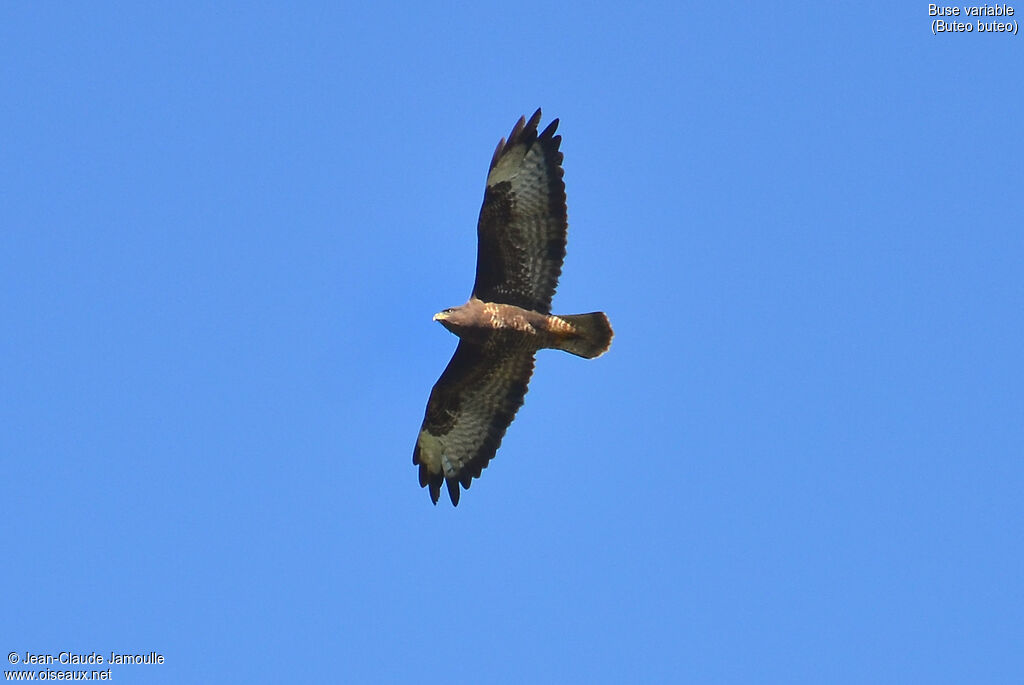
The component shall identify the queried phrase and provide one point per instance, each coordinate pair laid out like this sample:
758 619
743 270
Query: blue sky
224 230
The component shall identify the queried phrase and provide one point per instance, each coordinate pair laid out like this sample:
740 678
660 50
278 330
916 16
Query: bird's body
521 239
477 320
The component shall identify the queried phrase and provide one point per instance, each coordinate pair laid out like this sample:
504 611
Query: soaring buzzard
520 247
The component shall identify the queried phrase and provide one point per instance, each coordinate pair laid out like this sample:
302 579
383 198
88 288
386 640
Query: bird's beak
440 316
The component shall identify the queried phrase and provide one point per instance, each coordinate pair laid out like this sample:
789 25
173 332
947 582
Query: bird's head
458 320
448 318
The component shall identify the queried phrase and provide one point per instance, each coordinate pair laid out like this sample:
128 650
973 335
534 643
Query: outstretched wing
522 229
469 410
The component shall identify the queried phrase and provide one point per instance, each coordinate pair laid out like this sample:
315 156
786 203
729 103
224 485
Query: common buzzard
520 247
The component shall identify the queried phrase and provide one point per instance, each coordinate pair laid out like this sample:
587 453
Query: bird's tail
590 337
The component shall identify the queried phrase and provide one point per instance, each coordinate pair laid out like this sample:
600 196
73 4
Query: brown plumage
521 238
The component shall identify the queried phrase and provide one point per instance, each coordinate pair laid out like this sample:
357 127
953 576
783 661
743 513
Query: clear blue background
223 233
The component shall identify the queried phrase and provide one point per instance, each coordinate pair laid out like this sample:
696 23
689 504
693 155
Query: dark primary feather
471 406
522 229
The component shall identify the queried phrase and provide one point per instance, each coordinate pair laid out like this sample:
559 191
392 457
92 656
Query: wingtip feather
497 152
517 130
549 132
453 490
525 132
531 125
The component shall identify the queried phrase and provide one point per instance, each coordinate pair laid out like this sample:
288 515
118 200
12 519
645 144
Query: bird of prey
521 237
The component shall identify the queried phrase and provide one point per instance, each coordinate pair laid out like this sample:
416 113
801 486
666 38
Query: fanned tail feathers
592 334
